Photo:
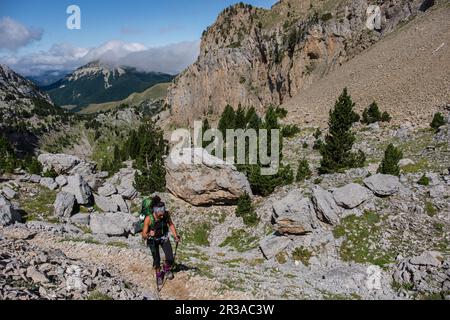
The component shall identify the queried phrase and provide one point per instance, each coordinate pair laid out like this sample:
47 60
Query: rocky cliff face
256 57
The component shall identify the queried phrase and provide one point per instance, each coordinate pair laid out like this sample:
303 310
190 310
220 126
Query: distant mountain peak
11 83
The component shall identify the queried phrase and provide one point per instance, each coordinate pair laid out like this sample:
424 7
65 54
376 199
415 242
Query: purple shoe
167 272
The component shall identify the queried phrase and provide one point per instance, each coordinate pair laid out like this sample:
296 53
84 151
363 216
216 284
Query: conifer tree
246 210
303 172
438 121
389 165
337 152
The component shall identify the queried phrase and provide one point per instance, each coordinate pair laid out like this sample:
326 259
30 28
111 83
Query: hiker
156 228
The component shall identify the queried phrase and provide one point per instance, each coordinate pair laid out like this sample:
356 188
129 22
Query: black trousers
154 245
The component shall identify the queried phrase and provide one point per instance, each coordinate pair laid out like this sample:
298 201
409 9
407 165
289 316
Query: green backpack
146 210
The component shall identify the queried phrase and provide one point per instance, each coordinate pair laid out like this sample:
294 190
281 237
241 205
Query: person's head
159 209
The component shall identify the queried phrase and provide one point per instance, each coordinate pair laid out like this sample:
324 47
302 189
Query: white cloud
14 35
169 59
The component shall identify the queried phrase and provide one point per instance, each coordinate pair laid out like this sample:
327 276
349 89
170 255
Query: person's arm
146 232
173 229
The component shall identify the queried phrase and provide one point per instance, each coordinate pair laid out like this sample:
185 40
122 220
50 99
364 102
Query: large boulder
79 188
8 192
8 215
294 214
123 181
272 245
326 208
107 190
383 184
112 223
120 202
202 179
61 163
64 204
105 204
81 218
87 170
351 195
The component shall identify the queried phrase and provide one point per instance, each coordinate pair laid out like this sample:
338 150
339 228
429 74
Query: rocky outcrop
426 273
79 188
8 213
202 179
60 163
257 57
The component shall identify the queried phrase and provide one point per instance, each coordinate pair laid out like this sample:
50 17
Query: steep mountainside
98 83
407 74
257 57
26 113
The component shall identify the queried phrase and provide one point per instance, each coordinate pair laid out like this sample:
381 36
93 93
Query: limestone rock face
112 223
202 179
64 204
257 57
326 208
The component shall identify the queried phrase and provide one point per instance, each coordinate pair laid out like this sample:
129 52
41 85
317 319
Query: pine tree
371 114
389 165
337 151
303 172
438 121
252 119
8 160
205 127
240 120
227 120
152 179
246 210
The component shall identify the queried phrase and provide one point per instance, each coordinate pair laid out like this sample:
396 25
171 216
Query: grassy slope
158 91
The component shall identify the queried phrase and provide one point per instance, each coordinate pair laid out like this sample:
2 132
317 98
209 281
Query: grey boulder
112 223
79 188
351 195
272 245
294 214
64 204
8 215
60 163
49 183
326 208
383 184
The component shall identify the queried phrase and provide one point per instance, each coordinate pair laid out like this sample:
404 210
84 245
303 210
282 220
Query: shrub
245 210
424 181
389 165
373 114
438 121
290 130
303 172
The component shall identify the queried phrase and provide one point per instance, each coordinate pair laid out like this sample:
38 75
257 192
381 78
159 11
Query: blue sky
150 23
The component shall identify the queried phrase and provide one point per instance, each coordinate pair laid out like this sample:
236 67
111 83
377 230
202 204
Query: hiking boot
159 278
167 272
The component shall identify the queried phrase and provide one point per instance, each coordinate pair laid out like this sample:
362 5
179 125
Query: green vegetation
97 295
240 240
198 234
424 180
438 121
118 244
389 164
362 239
337 152
373 114
246 211
303 171
39 206
430 209
302 254
261 184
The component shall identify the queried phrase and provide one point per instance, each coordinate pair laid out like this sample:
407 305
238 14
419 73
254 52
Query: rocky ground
355 235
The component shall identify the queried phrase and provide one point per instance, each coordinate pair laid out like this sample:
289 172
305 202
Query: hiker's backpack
146 210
